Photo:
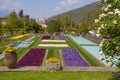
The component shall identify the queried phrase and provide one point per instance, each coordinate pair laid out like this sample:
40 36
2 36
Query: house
42 22
4 21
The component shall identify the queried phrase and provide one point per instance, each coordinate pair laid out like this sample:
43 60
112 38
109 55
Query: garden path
65 68
2 55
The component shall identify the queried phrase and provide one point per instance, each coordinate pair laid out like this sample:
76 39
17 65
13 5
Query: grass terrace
53 52
55 75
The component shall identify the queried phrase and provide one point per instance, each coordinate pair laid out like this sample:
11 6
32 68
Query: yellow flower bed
18 37
53 60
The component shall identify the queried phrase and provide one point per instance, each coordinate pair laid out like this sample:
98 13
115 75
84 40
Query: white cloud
68 4
57 8
10 5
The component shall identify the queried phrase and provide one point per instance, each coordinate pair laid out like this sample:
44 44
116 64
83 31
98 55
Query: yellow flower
10 49
53 60
18 37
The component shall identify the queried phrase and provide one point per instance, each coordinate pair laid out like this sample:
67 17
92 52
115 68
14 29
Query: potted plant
53 64
10 58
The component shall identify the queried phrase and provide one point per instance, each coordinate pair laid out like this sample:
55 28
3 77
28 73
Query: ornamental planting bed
61 37
54 45
73 58
45 38
33 57
94 38
53 40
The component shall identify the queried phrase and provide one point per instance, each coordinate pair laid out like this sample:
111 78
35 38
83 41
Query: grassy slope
87 56
55 75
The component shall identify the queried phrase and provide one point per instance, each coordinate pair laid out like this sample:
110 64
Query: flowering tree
109 22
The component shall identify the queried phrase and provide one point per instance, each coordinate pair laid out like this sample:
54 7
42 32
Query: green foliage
109 22
31 26
12 22
53 26
20 13
84 28
65 21
0 25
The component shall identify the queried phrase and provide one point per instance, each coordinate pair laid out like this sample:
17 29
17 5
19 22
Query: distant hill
79 14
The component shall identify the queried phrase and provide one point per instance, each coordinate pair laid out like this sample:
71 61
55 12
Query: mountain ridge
79 12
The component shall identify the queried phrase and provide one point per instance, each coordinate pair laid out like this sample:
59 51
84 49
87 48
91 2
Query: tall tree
21 13
65 21
53 26
12 22
1 31
34 26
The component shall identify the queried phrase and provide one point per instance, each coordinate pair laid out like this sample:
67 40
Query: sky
42 8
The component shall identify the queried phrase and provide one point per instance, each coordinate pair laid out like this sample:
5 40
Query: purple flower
61 37
94 38
45 37
33 57
73 58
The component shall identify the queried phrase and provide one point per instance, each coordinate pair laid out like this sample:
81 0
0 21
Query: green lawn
55 75
54 38
53 52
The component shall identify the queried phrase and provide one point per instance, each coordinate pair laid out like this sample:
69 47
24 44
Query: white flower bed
53 45
53 40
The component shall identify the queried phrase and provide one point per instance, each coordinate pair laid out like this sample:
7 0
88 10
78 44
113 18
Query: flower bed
18 37
73 58
33 57
61 37
80 34
53 40
94 38
45 37
53 45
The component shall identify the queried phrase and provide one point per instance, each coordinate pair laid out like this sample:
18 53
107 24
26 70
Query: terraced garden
73 55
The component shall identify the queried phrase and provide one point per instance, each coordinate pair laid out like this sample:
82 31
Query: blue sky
42 8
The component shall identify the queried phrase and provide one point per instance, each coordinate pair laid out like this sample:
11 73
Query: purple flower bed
94 38
33 57
80 34
45 38
73 58
61 37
